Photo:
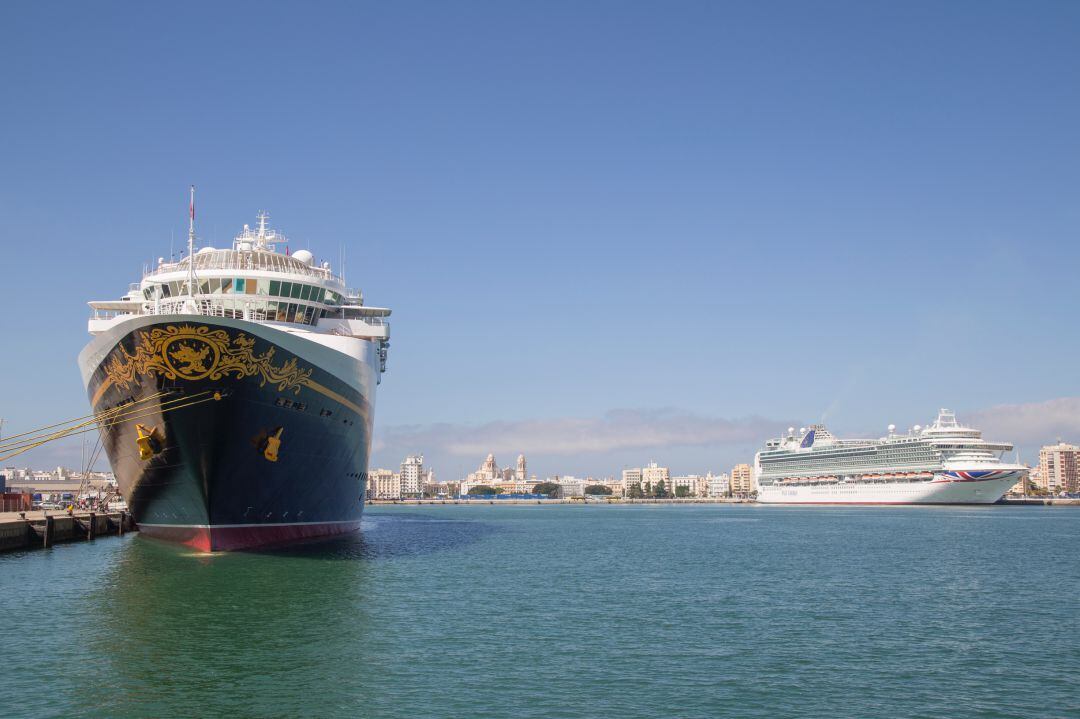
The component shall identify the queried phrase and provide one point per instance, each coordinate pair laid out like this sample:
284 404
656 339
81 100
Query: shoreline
1008 501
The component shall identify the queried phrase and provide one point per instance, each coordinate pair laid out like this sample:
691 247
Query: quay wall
1043 501
28 530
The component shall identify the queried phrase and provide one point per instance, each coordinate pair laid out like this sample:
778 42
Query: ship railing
97 314
246 261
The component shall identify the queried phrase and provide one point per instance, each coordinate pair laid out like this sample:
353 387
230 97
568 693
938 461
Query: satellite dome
892 428
304 256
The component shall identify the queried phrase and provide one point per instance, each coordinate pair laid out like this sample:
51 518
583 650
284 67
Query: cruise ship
234 391
943 463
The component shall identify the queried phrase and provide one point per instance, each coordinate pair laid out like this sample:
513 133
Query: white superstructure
255 282
944 463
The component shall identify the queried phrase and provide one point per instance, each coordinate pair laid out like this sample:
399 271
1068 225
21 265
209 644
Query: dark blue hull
206 401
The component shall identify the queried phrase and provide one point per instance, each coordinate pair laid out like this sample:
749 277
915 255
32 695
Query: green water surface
564 611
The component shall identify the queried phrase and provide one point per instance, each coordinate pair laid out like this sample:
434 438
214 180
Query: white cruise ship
944 463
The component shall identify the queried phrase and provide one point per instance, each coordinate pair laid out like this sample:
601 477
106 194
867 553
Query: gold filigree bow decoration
195 353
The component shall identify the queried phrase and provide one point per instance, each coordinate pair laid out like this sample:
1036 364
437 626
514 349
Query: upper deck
251 281
815 449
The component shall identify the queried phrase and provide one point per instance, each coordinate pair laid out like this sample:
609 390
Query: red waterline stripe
226 537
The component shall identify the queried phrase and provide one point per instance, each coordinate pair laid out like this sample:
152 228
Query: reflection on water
178 628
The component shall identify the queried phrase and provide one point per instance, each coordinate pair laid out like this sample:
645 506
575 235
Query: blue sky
676 226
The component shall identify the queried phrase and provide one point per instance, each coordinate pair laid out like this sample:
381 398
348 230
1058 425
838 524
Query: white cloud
616 430
1032 423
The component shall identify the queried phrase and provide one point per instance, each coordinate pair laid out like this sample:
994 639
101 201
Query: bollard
91 531
48 536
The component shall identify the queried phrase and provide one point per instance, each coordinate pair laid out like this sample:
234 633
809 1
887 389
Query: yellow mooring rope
106 420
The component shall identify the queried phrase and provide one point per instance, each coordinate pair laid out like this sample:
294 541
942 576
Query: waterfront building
692 483
1059 467
384 484
515 487
719 485
615 485
412 476
630 478
471 482
653 475
1033 482
570 486
488 472
742 480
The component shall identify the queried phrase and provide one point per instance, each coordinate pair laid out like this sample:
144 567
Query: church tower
489 468
520 475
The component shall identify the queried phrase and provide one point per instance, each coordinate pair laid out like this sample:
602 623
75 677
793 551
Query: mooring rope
109 419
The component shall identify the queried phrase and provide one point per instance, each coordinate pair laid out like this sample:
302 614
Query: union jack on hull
975 476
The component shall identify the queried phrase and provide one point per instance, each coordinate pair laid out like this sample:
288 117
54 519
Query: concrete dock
27 530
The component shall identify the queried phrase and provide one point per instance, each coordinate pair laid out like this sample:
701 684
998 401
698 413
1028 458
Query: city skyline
606 231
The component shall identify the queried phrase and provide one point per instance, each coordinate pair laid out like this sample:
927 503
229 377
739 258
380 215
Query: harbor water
564 611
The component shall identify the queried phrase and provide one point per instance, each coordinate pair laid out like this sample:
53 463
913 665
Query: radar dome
892 428
918 428
304 256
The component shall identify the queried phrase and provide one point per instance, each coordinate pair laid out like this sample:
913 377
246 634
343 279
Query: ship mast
191 245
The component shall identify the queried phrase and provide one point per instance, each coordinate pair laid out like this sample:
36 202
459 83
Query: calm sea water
565 611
